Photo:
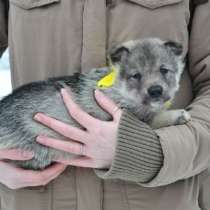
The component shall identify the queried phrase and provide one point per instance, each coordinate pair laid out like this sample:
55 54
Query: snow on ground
5 82
5 78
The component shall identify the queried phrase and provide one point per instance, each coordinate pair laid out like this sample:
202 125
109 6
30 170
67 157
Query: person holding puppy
126 164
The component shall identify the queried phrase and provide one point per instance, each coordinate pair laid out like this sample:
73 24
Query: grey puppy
148 74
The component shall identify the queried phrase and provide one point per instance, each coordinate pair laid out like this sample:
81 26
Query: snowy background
5 79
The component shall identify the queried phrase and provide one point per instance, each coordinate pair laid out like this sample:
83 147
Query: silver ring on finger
115 110
81 149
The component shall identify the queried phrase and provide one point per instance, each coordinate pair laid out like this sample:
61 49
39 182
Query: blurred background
5 78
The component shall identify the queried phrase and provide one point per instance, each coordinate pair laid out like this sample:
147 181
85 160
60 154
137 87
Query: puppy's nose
155 91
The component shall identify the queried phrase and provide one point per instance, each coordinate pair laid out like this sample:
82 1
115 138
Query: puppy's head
148 71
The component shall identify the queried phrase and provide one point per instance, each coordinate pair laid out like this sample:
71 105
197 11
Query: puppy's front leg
170 117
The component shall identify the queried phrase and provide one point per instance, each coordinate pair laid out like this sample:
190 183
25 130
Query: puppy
146 78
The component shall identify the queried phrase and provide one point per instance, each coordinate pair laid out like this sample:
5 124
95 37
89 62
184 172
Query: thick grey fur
145 57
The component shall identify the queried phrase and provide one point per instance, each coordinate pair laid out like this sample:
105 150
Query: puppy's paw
182 117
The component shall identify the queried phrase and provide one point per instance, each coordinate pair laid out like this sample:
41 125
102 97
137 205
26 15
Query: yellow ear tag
167 104
108 80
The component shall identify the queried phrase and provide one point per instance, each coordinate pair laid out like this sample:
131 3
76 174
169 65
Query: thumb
108 105
15 154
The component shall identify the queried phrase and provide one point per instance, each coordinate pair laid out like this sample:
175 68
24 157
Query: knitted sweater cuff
138 155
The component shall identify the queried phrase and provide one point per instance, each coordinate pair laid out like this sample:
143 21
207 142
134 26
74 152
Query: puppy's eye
164 71
136 76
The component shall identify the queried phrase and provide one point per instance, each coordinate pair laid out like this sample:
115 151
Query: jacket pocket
153 4
30 4
25 198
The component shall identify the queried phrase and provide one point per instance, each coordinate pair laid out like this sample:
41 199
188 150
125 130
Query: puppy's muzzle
155 91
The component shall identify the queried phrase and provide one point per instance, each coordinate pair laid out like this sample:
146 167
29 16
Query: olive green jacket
164 169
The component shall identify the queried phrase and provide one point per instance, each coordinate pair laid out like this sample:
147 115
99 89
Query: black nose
155 91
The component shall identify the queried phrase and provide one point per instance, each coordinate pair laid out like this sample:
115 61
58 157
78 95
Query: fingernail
66 91
28 154
63 90
98 92
40 138
37 116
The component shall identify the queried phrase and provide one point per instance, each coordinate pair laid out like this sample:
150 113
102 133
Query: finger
62 128
18 178
70 146
76 112
85 162
108 105
15 154
37 178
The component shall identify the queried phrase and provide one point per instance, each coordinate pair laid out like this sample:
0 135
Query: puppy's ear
118 53
175 47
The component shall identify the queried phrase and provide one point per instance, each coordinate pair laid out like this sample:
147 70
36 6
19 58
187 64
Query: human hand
15 178
96 144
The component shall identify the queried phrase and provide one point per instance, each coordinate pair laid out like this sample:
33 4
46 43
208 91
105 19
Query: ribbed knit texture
138 155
